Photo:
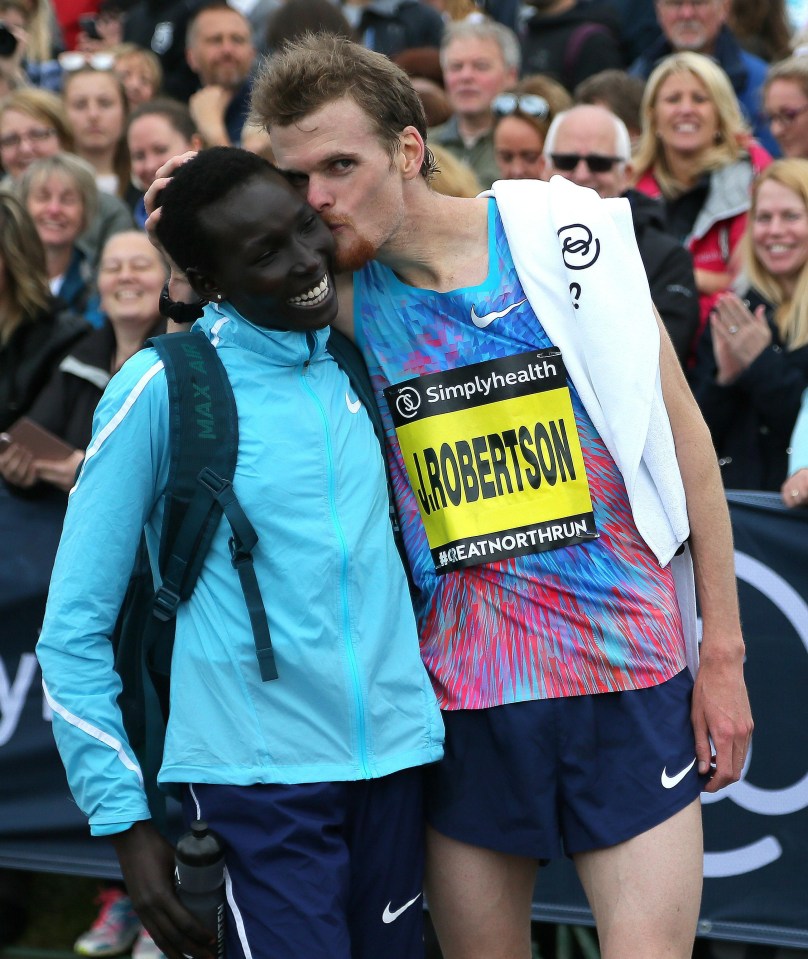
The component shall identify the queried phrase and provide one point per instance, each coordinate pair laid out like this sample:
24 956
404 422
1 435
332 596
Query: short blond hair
67 166
42 106
317 69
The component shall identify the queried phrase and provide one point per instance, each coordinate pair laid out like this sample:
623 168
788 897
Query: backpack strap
203 439
203 426
351 362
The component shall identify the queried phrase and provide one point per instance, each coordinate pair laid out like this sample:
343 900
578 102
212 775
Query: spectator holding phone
28 46
101 30
13 39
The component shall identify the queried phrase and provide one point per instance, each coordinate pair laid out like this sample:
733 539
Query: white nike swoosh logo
388 916
354 407
482 321
670 781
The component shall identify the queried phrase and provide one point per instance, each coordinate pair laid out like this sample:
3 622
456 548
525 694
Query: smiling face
130 277
57 209
23 139
152 140
786 106
273 256
336 157
685 117
780 232
517 149
95 106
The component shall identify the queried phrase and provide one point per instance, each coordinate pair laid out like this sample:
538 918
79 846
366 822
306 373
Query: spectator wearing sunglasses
480 60
522 119
785 103
590 146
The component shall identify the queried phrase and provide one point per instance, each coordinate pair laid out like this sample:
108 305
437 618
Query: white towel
577 260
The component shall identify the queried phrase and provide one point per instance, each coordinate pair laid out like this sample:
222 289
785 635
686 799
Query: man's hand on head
152 196
178 288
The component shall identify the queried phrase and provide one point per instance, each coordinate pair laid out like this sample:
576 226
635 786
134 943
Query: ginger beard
353 250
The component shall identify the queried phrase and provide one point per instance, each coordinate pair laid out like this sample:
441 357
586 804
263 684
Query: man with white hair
480 60
590 146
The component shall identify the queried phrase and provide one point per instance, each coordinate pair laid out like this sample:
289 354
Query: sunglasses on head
530 103
72 60
595 162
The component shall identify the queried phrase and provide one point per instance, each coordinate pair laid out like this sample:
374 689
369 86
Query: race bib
493 456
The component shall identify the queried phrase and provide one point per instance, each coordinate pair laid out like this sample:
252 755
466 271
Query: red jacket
720 223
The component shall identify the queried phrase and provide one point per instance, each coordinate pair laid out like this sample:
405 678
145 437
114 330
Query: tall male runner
552 474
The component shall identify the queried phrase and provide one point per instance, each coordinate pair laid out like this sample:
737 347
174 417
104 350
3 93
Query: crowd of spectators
695 110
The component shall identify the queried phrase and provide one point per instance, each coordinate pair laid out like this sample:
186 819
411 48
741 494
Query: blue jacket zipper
311 342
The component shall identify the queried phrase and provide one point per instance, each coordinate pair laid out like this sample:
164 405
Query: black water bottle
199 879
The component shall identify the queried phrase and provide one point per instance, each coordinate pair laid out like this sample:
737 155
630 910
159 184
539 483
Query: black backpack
203 425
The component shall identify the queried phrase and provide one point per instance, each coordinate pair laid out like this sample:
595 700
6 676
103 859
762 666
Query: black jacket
31 355
751 420
390 26
669 268
573 45
160 26
66 405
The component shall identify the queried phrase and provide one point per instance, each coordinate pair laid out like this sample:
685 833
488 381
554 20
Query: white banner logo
755 799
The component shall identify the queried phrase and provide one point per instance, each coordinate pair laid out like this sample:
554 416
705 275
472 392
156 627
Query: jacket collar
223 323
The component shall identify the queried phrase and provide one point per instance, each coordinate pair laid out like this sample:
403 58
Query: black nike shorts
323 870
556 777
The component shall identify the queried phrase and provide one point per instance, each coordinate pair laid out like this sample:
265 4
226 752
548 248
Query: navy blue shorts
321 870
561 776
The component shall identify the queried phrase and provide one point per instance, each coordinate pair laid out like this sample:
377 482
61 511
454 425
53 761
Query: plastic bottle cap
199 828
